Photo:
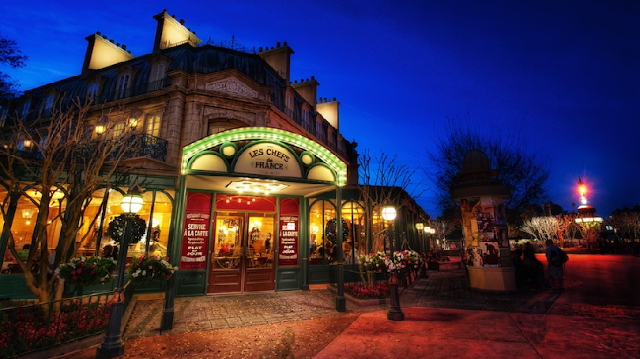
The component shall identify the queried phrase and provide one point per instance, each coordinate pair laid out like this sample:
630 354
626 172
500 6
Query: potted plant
434 257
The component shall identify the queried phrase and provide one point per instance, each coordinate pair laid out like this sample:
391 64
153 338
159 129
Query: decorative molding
232 86
229 114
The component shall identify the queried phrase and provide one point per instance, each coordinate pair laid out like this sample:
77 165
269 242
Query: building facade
245 173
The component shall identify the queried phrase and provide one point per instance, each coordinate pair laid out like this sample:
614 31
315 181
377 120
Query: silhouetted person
532 268
518 265
554 266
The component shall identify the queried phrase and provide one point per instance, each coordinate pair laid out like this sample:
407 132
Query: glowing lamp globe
132 203
388 213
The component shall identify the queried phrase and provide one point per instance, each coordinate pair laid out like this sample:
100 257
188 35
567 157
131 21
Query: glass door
259 269
242 257
227 254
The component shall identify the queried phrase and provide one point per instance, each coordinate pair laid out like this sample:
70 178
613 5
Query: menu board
288 246
195 235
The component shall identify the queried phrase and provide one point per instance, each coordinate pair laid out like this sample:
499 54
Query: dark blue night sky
568 72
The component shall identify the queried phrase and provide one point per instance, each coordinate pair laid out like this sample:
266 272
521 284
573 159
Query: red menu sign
195 235
288 247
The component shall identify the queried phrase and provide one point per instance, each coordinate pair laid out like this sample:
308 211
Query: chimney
329 110
307 89
102 52
280 59
171 32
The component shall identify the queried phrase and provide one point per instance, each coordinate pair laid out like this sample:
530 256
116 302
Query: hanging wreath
330 230
117 226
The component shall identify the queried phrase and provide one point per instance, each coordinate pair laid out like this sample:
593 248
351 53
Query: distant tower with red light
584 208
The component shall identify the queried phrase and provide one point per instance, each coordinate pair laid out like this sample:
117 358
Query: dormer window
305 119
319 132
26 107
48 103
123 86
3 116
93 90
157 76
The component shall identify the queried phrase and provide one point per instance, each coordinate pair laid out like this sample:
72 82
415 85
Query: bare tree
542 228
445 225
383 180
627 221
10 55
520 168
56 162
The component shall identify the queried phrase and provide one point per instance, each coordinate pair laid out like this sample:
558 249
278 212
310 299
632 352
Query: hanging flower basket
87 271
116 228
148 268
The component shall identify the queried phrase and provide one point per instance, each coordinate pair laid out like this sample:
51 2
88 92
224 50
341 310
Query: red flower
79 270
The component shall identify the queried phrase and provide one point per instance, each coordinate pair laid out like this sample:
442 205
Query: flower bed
375 291
39 326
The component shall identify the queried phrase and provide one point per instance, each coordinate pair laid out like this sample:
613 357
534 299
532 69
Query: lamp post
113 345
420 228
427 230
394 313
432 231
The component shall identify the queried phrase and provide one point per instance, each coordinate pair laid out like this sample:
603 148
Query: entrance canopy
261 160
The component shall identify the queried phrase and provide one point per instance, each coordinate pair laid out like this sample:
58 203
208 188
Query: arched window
354 217
322 245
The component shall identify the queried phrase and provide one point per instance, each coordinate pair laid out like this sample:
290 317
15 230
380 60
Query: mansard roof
203 60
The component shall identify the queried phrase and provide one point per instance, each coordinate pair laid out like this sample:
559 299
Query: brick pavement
443 289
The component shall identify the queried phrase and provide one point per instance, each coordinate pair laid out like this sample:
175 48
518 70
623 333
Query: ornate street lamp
113 345
420 228
394 313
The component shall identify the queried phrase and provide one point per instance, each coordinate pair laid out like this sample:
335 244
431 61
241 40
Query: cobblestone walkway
234 310
443 289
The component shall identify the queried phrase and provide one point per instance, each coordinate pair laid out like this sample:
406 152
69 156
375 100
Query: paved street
604 279
598 315
597 286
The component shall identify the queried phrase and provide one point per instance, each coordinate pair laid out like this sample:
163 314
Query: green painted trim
267 134
203 153
304 244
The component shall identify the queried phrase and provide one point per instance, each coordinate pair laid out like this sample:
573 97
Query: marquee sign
268 159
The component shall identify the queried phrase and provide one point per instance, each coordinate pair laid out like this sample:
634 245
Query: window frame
152 127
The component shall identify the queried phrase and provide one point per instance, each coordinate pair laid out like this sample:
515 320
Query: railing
145 146
142 145
44 325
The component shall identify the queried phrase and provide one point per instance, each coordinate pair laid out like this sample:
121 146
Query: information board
195 234
288 245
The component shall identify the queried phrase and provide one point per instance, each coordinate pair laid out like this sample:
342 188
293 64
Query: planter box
502 279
